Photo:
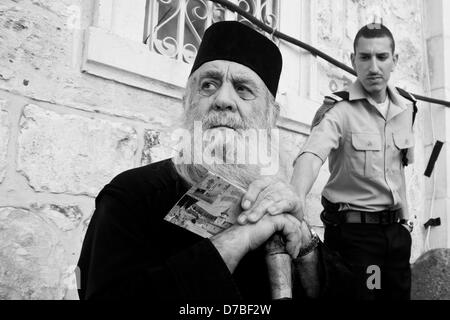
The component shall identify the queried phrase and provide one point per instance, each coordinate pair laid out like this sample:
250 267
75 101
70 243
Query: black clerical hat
234 41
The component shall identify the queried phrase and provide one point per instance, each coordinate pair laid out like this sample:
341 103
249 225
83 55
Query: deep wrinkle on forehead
242 77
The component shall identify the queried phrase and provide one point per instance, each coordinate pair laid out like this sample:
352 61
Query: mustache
224 119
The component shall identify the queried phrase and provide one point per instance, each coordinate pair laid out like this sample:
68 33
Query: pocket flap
404 139
366 141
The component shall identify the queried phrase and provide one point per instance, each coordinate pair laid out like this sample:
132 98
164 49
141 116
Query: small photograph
208 208
209 189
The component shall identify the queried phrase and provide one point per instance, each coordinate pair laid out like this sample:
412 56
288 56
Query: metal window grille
174 28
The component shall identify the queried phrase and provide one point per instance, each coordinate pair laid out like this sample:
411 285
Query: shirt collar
357 92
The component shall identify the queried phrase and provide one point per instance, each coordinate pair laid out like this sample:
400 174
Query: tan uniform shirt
364 151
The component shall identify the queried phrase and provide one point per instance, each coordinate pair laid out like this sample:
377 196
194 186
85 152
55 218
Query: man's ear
352 58
395 58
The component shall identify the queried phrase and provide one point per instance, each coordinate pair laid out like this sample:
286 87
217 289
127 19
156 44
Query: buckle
387 217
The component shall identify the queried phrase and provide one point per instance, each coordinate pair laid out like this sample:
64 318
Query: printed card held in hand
209 207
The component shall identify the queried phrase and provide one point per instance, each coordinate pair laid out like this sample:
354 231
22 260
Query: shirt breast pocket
365 154
404 140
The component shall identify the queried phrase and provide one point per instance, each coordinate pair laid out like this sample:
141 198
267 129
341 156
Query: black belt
332 215
380 217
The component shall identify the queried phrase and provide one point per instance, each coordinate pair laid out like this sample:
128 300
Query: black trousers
378 256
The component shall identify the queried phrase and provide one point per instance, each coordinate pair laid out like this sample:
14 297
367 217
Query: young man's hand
270 196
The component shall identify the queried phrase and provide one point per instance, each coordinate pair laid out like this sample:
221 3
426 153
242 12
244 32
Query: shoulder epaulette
332 99
328 103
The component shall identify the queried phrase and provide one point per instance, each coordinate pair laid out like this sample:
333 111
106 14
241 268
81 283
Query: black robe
131 252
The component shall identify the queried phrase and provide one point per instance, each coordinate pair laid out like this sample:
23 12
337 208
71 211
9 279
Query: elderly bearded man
129 250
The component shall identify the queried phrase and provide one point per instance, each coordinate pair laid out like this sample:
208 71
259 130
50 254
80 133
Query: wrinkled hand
234 243
268 225
269 196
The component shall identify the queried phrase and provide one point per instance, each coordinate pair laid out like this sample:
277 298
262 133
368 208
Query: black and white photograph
208 208
203 152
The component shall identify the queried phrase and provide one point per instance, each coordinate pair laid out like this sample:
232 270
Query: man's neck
379 97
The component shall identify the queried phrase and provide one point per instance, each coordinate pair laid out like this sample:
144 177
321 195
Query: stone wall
64 134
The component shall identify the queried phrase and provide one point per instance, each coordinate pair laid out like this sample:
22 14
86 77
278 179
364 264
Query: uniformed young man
366 135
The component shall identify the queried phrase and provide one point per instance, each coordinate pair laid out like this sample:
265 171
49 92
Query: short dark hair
374 30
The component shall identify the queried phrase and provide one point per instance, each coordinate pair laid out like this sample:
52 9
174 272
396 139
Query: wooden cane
279 267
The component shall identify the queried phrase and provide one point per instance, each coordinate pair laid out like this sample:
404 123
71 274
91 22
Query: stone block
4 139
66 153
32 258
151 140
41 44
431 276
290 145
66 218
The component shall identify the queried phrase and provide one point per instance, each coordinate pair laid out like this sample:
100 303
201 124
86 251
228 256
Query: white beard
224 160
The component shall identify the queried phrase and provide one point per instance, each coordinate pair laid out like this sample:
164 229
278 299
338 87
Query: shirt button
369 144
406 141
